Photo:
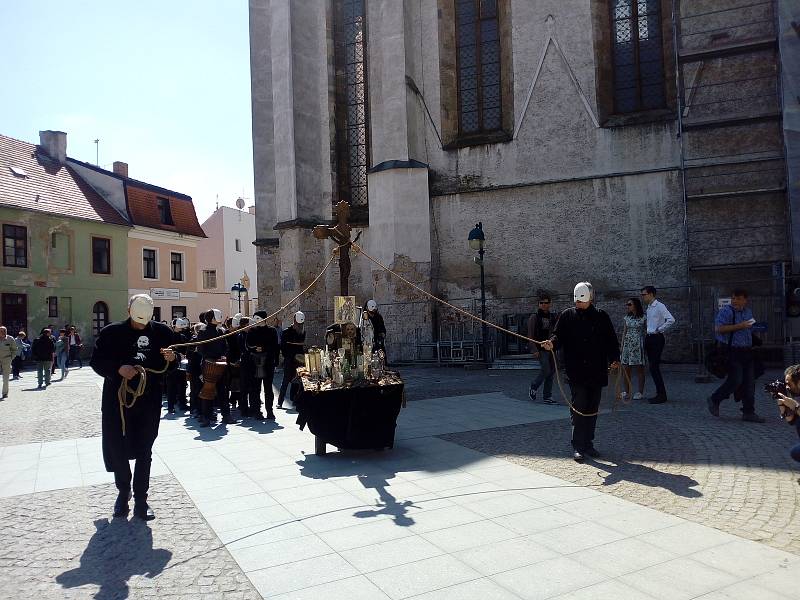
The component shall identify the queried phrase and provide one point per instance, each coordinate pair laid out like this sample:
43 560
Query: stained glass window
478 56
638 55
352 93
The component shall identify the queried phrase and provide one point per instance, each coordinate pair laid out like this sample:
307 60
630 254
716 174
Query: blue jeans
62 360
43 371
546 373
740 378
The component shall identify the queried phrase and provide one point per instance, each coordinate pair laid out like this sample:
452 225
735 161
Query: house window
149 264
637 55
60 256
478 59
352 92
164 212
101 256
15 246
176 266
99 317
52 306
178 311
209 280
238 245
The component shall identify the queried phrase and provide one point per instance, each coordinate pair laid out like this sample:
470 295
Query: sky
164 86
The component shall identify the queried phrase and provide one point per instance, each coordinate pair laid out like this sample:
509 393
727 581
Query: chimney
55 144
121 168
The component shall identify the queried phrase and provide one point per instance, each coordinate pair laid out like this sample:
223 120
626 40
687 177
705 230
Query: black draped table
355 417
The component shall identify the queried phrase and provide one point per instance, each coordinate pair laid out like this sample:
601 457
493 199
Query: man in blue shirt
733 327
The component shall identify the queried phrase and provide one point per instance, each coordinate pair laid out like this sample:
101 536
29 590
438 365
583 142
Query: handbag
718 360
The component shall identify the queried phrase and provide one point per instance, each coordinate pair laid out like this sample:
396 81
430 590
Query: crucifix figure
339 233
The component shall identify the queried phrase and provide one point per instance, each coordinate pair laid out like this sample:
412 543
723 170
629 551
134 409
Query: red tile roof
48 186
143 209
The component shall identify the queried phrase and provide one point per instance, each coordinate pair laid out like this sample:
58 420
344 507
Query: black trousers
289 373
654 346
194 389
207 406
255 391
176 389
585 398
141 430
16 365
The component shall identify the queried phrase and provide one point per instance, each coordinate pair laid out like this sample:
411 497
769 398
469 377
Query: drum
212 373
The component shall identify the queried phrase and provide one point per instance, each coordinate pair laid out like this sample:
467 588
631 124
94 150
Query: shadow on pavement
621 470
117 551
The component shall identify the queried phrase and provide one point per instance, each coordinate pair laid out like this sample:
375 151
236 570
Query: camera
776 387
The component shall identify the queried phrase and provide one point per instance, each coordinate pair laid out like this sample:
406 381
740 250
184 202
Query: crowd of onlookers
48 351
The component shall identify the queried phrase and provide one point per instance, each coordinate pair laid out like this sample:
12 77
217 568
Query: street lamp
239 289
477 241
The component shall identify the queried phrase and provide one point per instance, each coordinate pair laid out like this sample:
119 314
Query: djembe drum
212 373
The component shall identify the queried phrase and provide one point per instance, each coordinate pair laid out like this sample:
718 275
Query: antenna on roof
97 152
217 202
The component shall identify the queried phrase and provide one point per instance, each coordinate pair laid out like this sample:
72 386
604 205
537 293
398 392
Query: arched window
99 316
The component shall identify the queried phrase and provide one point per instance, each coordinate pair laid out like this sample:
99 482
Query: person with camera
789 407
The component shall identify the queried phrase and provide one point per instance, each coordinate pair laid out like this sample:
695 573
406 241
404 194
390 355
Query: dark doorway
14 313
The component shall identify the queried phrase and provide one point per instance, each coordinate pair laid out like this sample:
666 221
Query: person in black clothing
233 376
264 351
176 379
42 352
195 368
590 347
214 351
129 433
292 342
379 327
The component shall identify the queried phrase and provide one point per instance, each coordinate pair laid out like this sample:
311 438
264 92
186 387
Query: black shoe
142 511
257 416
550 401
229 420
752 418
121 508
171 411
270 415
532 394
577 456
713 407
279 405
205 422
657 399
592 451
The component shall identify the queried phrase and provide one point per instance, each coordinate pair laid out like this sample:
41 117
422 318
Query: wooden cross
339 233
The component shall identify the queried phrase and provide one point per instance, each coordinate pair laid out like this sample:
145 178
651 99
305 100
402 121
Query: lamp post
239 289
477 241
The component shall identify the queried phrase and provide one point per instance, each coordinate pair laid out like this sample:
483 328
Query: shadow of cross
117 551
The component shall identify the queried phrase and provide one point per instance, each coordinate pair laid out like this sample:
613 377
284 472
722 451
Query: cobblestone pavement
65 410
676 458
55 545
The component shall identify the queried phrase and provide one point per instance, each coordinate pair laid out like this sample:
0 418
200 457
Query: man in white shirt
659 320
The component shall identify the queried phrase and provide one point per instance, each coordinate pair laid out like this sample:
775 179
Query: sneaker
638 396
550 401
657 400
577 456
624 396
532 394
752 418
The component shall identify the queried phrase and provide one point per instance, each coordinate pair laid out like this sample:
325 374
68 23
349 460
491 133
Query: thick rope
359 250
125 390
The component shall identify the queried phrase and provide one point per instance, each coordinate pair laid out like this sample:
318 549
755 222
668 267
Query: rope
135 393
359 250
275 314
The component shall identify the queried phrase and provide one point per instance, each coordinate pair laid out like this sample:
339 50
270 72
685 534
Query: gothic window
352 113
637 55
478 60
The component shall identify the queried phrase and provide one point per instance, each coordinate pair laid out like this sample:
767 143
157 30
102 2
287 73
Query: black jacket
43 348
589 342
540 326
292 344
266 338
212 350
